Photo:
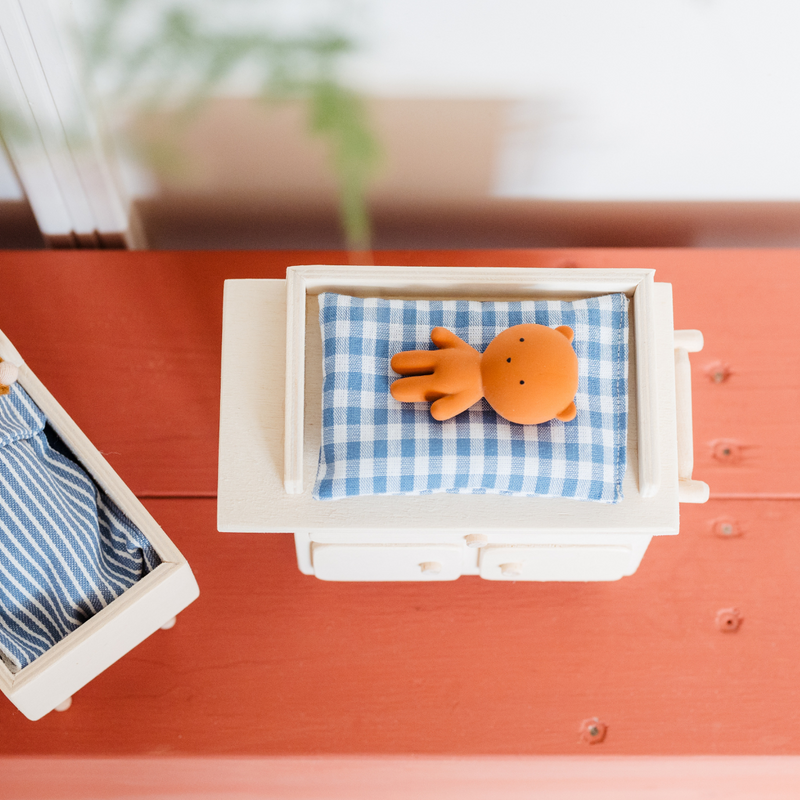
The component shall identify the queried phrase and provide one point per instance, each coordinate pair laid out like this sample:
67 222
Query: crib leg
64 704
170 623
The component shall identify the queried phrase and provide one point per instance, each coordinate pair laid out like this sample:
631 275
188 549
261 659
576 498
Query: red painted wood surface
271 662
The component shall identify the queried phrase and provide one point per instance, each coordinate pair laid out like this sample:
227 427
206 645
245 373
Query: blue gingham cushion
66 550
375 445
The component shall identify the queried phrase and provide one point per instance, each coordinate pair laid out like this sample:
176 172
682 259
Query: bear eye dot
522 340
508 360
521 382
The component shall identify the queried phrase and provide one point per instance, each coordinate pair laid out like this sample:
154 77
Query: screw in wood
592 731
729 620
718 372
726 528
726 451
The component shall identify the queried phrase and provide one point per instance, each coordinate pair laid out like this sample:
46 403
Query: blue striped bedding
66 550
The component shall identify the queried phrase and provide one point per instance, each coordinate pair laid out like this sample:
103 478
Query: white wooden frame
140 611
689 491
473 283
252 494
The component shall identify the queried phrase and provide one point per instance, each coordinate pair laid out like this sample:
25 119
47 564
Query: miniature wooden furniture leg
689 491
64 705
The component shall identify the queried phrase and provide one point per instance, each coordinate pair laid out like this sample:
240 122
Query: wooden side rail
689 491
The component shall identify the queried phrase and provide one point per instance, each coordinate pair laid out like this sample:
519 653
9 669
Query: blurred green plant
187 57
147 57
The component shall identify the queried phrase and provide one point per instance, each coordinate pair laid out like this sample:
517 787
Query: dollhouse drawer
556 563
375 562
149 604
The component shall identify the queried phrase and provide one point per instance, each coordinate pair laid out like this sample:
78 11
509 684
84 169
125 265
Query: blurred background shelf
298 125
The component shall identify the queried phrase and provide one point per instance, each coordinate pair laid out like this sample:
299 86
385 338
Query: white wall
619 99
613 99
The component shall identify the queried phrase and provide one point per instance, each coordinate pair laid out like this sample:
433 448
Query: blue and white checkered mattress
66 550
375 445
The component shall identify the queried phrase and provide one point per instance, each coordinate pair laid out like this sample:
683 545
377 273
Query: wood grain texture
271 662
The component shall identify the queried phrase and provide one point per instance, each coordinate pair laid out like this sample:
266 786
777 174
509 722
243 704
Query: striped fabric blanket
66 550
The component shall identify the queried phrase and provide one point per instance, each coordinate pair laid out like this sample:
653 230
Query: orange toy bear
528 374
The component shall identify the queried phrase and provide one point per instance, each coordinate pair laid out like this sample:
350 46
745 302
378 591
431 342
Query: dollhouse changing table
270 432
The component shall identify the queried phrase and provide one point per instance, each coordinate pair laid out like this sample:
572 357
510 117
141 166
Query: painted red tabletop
271 662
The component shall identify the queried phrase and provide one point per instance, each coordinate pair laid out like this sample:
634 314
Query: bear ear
568 413
565 330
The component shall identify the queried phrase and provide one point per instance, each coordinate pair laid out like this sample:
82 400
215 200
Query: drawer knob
511 570
430 567
476 540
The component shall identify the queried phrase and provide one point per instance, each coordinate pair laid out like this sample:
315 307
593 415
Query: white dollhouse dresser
49 681
270 432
